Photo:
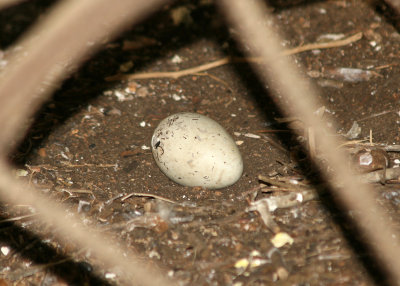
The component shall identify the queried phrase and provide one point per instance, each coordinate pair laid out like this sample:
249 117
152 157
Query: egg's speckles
197 152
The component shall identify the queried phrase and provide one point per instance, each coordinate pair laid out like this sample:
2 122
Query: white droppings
251 135
110 275
122 97
176 97
144 147
299 197
5 250
176 59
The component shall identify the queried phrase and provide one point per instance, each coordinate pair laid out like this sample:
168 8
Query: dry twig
147 195
230 60
300 99
376 176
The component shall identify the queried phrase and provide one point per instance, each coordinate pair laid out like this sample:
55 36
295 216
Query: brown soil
89 149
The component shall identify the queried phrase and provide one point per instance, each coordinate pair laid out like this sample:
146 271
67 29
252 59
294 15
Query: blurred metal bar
297 98
61 40
64 37
7 3
133 270
395 4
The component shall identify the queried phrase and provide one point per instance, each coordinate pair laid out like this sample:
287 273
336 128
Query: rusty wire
298 97
59 39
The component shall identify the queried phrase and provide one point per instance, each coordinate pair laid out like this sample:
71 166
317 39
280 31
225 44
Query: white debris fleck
144 147
122 97
233 115
176 59
353 74
320 111
281 238
242 263
254 260
299 197
330 37
239 142
154 254
314 74
83 206
64 156
176 97
238 133
5 250
354 131
142 124
272 206
110 275
396 161
251 135
21 173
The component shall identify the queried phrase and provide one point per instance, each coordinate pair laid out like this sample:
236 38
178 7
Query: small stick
214 78
370 137
376 115
227 60
327 45
71 191
311 143
387 148
262 207
351 143
147 195
281 184
91 165
17 218
376 176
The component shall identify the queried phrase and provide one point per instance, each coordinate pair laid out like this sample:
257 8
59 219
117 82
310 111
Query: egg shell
194 150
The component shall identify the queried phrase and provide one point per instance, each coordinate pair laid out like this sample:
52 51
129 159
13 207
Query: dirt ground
89 147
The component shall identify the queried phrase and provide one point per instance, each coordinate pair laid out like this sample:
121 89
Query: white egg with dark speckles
194 150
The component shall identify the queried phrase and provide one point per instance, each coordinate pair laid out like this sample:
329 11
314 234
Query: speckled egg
194 150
